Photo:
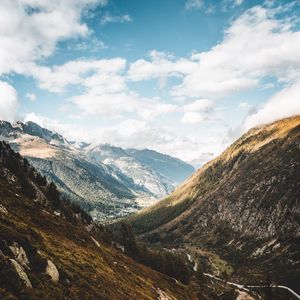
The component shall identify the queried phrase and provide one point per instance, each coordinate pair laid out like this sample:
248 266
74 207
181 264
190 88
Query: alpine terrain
238 216
51 249
104 180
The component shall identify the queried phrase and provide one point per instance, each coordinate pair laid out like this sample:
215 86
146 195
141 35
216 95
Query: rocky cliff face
243 205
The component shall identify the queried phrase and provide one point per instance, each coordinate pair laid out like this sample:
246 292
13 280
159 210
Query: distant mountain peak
32 129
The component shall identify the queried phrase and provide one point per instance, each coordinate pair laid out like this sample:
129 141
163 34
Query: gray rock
20 271
20 255
3 210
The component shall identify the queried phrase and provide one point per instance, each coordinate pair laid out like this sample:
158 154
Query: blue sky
184 77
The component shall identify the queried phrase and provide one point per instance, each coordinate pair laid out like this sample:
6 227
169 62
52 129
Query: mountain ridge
243 205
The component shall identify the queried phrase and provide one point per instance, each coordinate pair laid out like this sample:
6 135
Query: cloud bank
8 102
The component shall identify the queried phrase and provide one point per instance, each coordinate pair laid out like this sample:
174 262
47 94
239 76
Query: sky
183 77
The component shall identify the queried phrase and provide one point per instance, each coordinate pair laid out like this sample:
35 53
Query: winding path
247 288
243 287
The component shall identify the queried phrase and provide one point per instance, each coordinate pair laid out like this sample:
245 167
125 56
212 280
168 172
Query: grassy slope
230 206
86 270
207 178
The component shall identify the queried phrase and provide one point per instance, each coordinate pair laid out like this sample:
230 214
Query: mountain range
105 180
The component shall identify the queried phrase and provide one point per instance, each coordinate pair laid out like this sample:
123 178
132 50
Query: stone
20 255
20 271
52 271
3 210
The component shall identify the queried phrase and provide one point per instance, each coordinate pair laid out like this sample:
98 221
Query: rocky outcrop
21 273
20 255
3 210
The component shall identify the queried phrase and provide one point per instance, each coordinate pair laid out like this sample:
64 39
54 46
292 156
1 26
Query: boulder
52 271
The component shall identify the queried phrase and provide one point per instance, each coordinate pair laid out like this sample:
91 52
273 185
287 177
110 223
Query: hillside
170 167
243 206
149 182
104 180
50 249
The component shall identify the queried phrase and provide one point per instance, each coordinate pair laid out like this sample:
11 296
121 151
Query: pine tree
53 195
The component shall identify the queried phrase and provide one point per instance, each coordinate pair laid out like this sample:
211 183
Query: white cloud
192 118
197 111
138 134
31 96
102 74
238 2
194 4
88 45
202 158
284 104
8 102
244 105
256 45
228 4
200 105
105 91
104 104
108 18
38 119
37 25
161 65
119 103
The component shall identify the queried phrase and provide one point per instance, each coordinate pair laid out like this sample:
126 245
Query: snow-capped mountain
105 180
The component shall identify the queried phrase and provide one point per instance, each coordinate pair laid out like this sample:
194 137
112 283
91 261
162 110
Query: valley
105 180
237 215
149 150
227 232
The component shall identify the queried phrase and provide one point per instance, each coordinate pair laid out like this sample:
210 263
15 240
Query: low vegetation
243 205
37 222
